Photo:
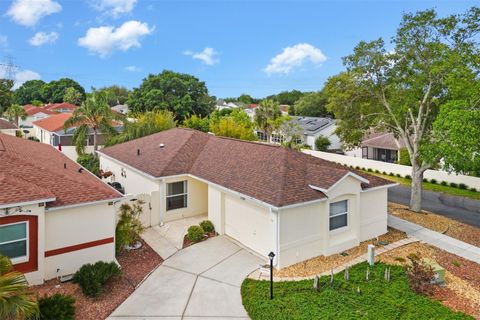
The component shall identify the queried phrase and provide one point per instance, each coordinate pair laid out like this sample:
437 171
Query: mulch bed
322 263
188 243
136 265
462 290
447 226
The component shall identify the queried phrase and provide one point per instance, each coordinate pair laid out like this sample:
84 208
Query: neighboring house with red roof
380 146
63 107
33 113
51 131
268 198
8 127
48 207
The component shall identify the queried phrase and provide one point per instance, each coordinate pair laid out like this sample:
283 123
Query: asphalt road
459 208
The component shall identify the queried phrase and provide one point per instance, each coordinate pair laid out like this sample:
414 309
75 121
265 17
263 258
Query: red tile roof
273 174
35 171
53 123
63 105
4 124
32 110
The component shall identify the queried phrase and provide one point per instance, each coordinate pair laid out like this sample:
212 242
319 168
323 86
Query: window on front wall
14 241
176 195
338 214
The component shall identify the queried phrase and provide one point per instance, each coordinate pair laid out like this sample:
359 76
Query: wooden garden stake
347 274
331 276
315 283
367 277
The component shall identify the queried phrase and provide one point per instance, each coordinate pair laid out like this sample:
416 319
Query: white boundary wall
396 168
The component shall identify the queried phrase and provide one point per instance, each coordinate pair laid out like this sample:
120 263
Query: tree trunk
416 193
17 119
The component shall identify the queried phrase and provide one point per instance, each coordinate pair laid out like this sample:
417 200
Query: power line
9 67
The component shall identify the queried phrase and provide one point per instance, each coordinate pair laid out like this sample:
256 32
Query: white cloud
115 8
207 56
132 69
292 57
106 39
29 12
21 77
3 41
41 38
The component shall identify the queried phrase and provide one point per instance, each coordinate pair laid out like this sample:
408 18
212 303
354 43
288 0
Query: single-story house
120 108
55 216
380 146
312 128
51 131
8 127
266 197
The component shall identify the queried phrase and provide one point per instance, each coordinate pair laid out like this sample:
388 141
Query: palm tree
94 114
15 300
15 112
265 115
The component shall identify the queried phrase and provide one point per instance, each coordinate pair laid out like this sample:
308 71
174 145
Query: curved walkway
199 282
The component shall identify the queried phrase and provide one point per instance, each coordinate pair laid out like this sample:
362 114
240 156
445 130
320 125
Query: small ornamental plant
92 277
195 234
58 307
207 226
421 275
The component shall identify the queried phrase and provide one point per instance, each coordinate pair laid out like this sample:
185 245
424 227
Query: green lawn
432 186
378 299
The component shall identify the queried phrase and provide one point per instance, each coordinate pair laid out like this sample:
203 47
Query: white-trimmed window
14 241
338 214
177 195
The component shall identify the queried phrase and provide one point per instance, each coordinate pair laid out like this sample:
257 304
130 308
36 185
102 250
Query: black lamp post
271 255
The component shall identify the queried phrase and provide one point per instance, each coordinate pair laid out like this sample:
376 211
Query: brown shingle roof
4 124
383 140
33 171
272 174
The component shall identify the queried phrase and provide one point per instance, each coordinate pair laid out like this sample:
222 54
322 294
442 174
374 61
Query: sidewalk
436 239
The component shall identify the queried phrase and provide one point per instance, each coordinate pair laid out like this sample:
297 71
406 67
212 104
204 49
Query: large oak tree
401 87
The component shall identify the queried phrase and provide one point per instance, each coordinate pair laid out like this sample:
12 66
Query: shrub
58 307
398 175
408 177
453 185
391 174
462 186
92 277
425 180
357 167
444 183
34 139
195 233
207 226
433 181
404 157
369 170
322 143
129 226
377 171
89 162
384 173
473 189
421 275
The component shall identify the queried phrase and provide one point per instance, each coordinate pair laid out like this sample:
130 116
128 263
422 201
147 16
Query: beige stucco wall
134 182
216 208
197 199
73 226
304 230
373 213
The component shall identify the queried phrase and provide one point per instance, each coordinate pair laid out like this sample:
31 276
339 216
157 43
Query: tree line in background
424 88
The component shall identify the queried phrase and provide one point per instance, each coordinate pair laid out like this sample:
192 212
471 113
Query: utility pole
9 68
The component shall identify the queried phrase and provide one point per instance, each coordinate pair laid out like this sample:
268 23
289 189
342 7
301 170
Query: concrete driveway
200 282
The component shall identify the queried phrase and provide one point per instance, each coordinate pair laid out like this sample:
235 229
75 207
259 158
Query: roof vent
64 165
80 170
161 146
138 152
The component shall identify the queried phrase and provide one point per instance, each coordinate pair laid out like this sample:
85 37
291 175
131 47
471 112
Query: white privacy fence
471 182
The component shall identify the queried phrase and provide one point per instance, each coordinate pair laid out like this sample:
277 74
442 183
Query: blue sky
255 47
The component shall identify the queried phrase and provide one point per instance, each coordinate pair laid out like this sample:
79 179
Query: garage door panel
249 224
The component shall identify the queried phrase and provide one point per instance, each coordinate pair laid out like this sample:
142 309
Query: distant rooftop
312 125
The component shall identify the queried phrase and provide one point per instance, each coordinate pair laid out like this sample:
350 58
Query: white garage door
250 225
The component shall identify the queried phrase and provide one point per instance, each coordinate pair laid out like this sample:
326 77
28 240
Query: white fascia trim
290 206
380 187
262 203
348 174
26 203
83 204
